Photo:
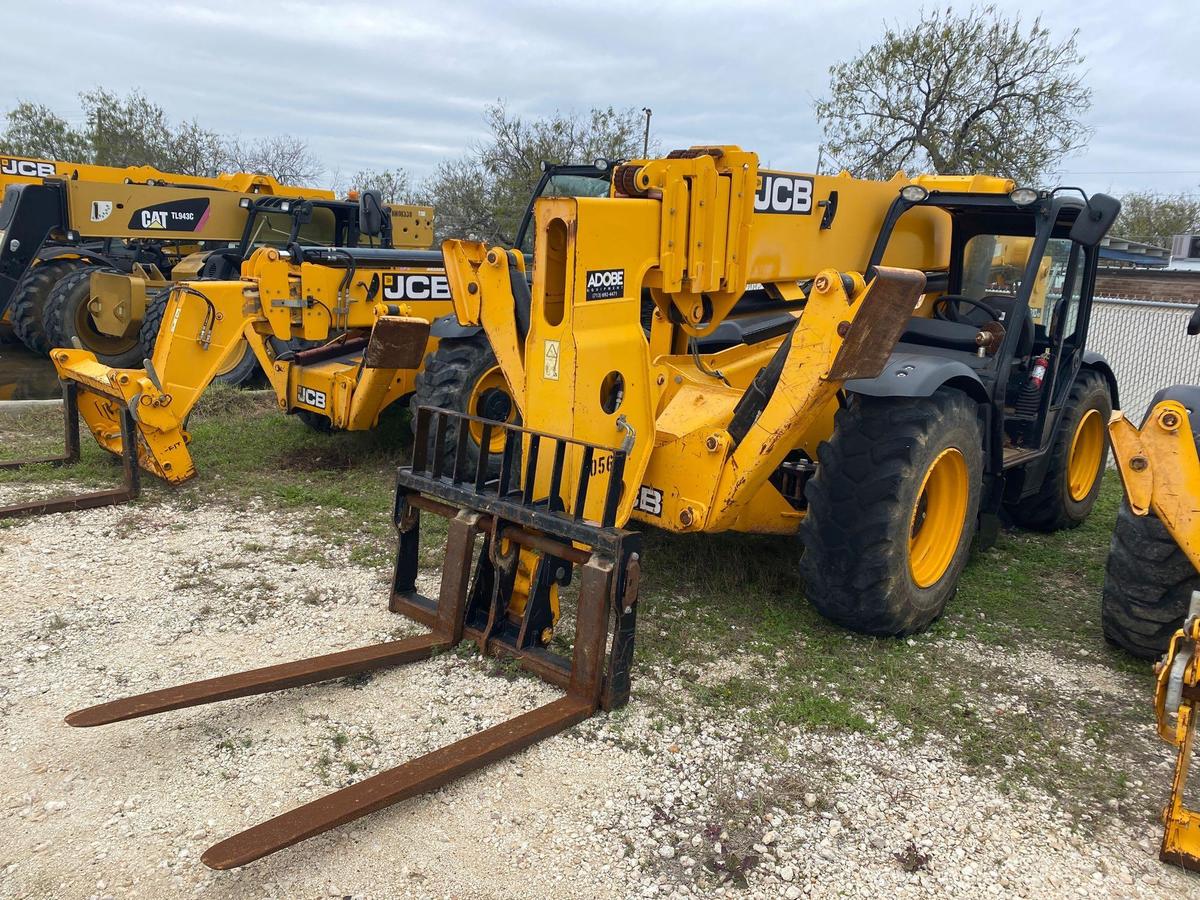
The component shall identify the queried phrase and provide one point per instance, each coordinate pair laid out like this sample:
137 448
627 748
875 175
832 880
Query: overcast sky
387 85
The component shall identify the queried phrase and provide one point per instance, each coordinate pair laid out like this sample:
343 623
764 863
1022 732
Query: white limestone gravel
102 603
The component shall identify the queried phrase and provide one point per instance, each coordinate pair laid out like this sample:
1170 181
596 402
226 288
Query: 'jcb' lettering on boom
778 193
416 287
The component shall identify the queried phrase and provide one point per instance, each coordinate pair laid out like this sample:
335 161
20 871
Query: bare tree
955 94
133 131
393 185
482 194
284 157
1156 218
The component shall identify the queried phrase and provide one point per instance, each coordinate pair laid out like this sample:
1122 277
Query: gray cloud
386 85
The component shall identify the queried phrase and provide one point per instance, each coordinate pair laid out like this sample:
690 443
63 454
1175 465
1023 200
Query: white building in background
1185 253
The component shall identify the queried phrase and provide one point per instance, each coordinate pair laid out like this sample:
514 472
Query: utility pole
646 136
820 156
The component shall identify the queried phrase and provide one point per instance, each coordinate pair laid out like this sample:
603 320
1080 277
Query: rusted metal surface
397 342
332 350
261 681
131 475
878 325
421 775
473 602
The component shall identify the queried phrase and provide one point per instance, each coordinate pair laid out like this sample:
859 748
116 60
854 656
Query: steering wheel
943 310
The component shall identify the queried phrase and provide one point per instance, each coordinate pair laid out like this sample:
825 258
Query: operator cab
285 222
1014 304
591 180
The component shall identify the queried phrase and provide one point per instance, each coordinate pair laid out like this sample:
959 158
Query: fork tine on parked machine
521 524
131 477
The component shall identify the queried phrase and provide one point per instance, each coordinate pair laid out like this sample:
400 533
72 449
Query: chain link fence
1147 344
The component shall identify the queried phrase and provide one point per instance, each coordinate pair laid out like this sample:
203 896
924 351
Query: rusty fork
481 513
131 480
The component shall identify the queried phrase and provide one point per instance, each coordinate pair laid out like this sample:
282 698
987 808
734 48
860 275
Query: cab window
567 186
274 229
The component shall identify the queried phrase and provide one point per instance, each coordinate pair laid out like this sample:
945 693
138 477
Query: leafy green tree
134 131
958 93
482 195
1156 218
32 129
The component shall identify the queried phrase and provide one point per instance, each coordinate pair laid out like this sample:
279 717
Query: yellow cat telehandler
793 378
138 221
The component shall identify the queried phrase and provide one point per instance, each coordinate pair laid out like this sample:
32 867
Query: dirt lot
765 753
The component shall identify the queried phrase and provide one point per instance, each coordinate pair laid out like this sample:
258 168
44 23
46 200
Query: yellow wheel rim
234 362
485 401
1087 453
938 518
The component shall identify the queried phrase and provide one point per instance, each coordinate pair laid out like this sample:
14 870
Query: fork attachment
131 481
508 553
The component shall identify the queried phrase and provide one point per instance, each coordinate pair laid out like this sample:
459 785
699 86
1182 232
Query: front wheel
892 511
29 299
237 371
1148 584
462 375
1077 456
68 321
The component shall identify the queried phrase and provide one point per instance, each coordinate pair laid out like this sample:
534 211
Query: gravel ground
103 603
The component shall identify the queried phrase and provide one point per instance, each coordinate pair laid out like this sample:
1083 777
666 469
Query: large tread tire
315 421
156 307
60 320
29 301
861 502
1148 584
1053 508
447 381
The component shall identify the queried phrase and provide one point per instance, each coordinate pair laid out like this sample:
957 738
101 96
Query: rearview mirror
1194 322
371 214
1095 219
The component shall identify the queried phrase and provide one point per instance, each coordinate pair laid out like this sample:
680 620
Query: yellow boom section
679 244
26 170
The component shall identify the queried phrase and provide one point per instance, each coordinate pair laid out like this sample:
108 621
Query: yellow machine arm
1161 473
692 232
372 353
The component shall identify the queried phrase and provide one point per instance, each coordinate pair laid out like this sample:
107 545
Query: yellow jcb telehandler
781 323
1151 604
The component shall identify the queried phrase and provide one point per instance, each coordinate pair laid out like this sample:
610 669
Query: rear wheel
1072 481
29 301
462 375
67 319
317 422
892 510
1148 584
237 372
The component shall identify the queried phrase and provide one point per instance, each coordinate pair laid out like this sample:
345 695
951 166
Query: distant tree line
480 194
958 92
